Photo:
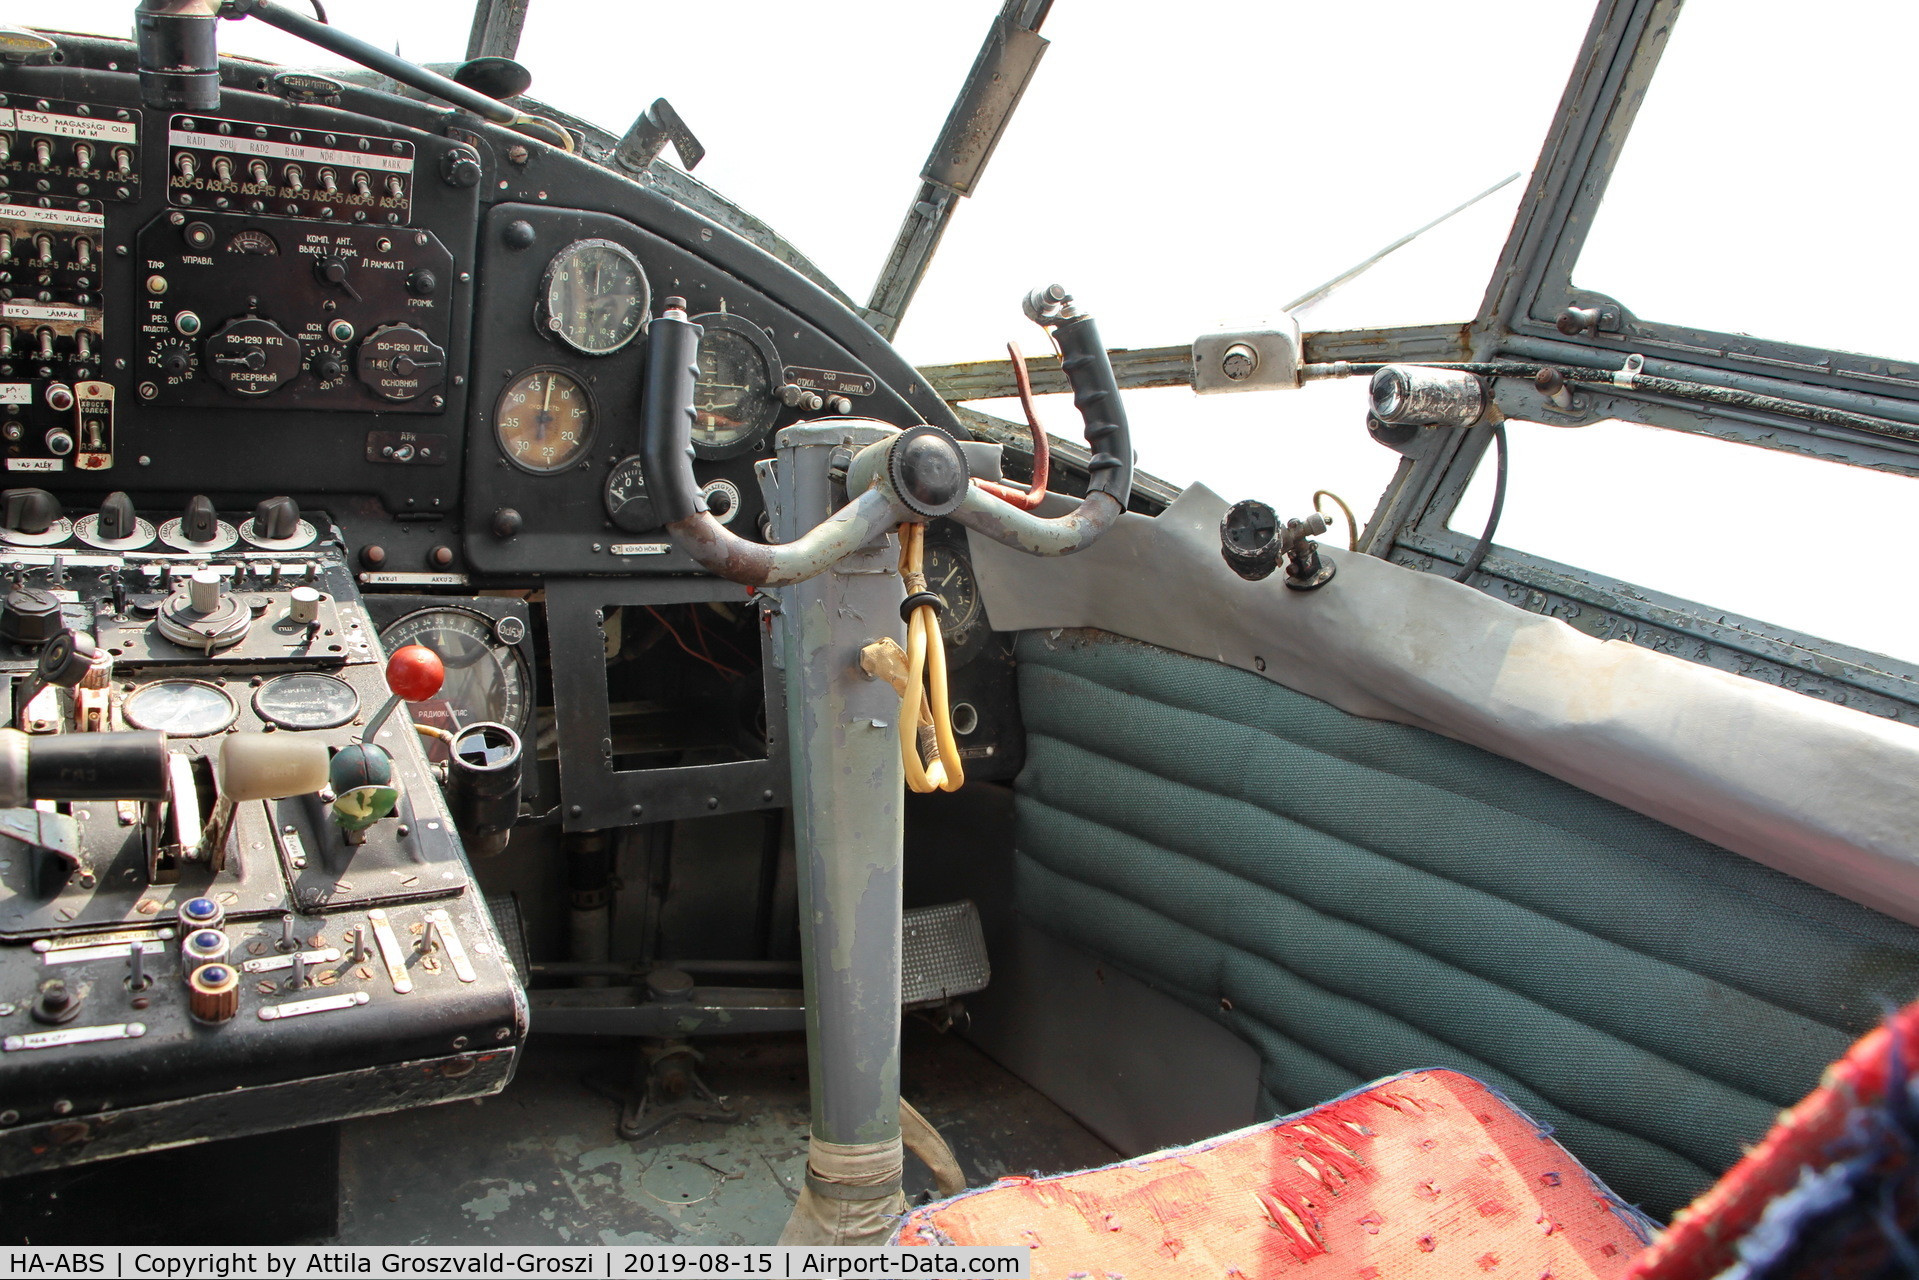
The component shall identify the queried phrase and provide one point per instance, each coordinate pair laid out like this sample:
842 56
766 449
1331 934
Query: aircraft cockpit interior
531 721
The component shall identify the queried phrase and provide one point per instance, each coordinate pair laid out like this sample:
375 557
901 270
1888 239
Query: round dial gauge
485 678
180 708
595 296
733 400
306 700
949 576
544 420
628 505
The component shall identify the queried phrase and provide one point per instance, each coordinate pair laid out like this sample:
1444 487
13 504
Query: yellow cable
925 664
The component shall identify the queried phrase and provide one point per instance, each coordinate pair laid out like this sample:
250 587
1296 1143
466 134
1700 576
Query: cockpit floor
542 1163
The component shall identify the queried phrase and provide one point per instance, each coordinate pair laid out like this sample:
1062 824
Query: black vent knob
117 519
276 518
28 510
199 522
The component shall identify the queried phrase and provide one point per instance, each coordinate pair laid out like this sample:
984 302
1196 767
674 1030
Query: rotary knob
252 357
399 363
30 511
276 518
213 992
200 522
117 518
328 366
333 271
205 590
175 360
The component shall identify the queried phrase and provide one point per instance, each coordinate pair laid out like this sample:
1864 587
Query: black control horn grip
1096 396
666 417
97 766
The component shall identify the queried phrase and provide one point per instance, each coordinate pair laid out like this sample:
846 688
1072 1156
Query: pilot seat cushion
1425 1174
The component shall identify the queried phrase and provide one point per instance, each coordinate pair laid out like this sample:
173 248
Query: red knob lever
415 673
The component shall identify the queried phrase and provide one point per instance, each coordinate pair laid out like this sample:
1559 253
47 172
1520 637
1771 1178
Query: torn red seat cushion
1425 1174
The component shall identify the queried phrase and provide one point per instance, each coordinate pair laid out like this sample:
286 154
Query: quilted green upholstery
1357 898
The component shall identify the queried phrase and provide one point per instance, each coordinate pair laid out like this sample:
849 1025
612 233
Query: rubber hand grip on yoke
666 416
1089 372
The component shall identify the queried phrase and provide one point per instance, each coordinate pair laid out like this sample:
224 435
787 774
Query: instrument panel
424 337
430 327
557 486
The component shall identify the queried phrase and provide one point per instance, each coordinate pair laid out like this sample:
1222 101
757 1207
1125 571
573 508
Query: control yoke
909 477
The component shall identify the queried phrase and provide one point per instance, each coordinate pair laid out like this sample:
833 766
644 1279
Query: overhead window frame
1531 287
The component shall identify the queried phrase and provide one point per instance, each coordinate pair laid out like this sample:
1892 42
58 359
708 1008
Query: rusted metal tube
1035 535
719 550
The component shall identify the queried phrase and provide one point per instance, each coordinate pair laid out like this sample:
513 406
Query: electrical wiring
726 671
926 724
1352 525
1029 498
1485 544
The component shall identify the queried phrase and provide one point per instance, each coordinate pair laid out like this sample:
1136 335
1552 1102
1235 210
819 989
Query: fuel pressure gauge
733 400
544 420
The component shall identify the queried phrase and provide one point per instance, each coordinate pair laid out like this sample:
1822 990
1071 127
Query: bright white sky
1233 155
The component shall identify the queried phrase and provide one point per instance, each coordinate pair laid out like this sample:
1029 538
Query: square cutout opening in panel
667 702
685 684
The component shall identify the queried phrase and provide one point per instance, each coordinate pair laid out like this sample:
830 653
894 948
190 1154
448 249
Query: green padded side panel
1357 898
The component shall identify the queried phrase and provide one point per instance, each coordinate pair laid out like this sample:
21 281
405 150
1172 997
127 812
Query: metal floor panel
541 1163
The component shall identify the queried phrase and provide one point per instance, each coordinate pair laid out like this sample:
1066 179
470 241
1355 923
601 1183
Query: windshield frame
1532 285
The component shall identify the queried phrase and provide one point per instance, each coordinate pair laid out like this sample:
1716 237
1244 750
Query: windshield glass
1795 541
1758 192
